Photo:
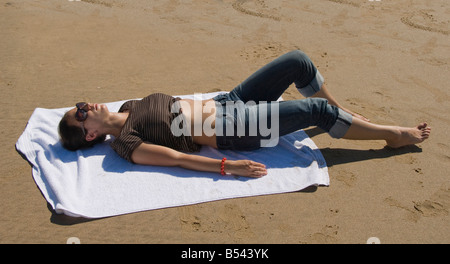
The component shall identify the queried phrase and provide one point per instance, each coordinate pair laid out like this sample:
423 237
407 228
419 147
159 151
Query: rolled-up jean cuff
343 123
313 87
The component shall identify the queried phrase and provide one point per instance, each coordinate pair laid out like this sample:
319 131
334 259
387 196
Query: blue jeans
249 117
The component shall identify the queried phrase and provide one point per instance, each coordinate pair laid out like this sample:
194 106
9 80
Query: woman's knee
300 55
308 81
302 58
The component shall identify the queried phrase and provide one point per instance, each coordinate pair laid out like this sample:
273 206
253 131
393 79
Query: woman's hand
245 168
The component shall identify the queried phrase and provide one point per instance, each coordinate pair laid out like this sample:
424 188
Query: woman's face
96 116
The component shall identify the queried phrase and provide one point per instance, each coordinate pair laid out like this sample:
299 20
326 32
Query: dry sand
388 60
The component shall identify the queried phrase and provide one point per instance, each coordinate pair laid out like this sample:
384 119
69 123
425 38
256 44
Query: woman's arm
149 154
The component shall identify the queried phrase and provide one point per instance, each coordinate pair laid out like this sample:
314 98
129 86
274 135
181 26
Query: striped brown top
149 121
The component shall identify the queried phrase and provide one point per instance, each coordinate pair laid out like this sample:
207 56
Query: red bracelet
222 166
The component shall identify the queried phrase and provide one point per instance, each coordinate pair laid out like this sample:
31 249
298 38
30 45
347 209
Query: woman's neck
115 123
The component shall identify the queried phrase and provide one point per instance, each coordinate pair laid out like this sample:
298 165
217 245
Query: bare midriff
206 109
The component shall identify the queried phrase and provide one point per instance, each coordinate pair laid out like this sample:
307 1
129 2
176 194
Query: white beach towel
96 182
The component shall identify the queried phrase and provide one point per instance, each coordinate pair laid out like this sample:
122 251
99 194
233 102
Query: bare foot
409 135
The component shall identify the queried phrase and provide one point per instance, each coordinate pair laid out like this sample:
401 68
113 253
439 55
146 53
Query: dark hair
72 136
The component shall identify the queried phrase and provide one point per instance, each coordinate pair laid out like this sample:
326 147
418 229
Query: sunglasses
81 114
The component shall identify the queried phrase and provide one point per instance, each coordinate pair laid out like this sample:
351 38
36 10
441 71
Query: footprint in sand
327 234
412 214
430 208
346 177
189 220
229 220
437 205
235 222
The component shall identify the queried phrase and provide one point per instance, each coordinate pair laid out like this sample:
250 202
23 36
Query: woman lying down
166 131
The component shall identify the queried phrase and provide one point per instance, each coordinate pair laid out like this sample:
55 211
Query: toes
426 132
422 125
